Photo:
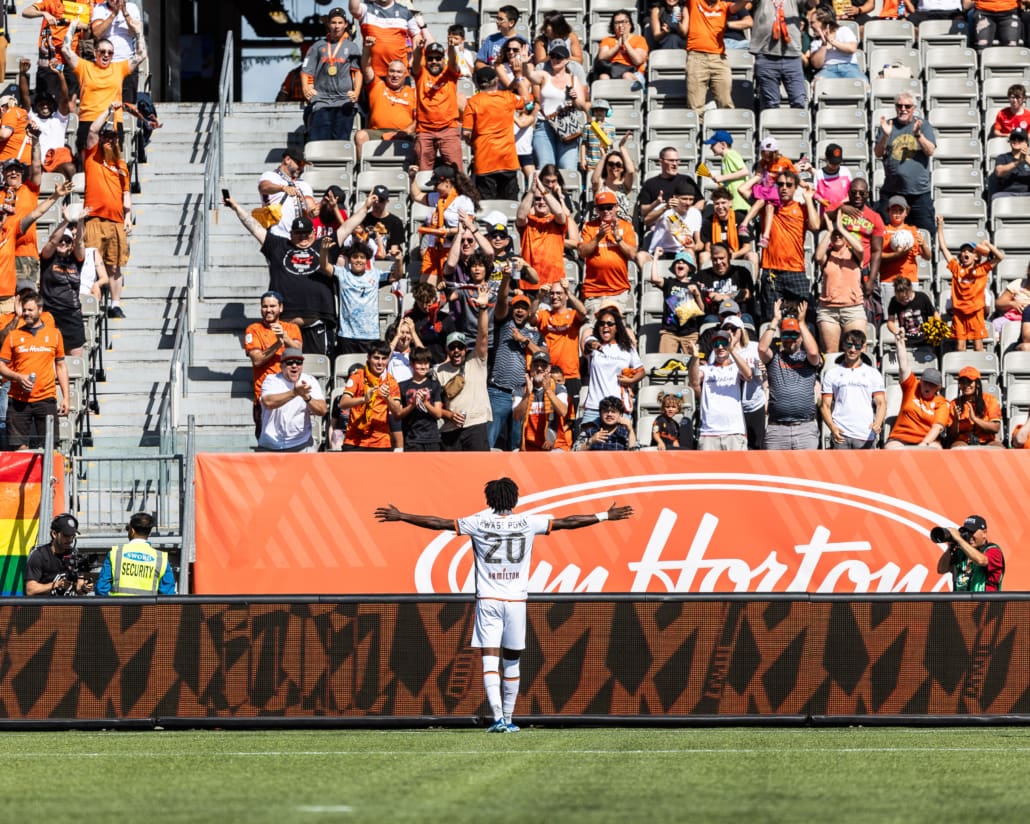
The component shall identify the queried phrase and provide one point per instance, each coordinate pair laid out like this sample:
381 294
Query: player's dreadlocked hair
502 495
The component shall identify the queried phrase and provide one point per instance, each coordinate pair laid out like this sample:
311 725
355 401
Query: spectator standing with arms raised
437 131
110 21
52 31
923 416
793 372
391 28
486 126
332 80
719 385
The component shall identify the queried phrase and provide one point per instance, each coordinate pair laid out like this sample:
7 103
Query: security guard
136 568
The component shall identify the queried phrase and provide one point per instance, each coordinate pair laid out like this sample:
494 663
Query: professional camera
941 535
76 567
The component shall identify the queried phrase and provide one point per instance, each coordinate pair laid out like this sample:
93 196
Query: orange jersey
489 116
607 271
543 248
539 418
106 185
57 33
437 100
27 351
905 266
968 286
17 146
8 244
916 415
707 26
620 58
100 88
786 250
26 199
992 412
997 6
258 338
560 331
393 28
389 109
369 425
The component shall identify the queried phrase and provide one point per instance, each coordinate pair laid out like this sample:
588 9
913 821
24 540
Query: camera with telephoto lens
76 567
941 535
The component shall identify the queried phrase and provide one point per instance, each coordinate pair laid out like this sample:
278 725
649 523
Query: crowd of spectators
786 297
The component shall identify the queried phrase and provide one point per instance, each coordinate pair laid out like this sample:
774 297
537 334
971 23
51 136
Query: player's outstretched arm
390 513
614 513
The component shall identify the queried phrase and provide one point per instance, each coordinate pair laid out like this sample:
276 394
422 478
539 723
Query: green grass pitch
738 775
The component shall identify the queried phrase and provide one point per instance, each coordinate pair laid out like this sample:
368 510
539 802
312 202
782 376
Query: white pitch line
335 808
424 753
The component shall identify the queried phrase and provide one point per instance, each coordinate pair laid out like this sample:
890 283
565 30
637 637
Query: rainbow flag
21 475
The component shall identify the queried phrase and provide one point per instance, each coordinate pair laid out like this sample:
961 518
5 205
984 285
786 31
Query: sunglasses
616 166
293 363
607 208
785 184
790 335
104 53
851 345
606 323
540 200
720 343
455 346
904 106
434 58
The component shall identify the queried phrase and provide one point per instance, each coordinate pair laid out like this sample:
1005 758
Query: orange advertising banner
749 522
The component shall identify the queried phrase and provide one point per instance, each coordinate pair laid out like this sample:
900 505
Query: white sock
492 684
511 686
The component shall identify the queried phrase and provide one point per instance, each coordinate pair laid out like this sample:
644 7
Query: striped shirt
791 388
508 370
393 26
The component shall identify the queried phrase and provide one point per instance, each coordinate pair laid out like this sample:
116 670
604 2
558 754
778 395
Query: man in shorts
503 544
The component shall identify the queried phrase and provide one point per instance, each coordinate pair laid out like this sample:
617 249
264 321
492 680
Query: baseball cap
769 144
605 198
8 100
540 357
557 48
683 254
381 192
897 200
967 245
520 299
789 325
441 173
455 337
335 11
732 320
969 372
720 136
291 353
65 524
296 155
932 376
834 153
14 164
497 230
301 226
600 103
1017 134
729 306
435 48
66 236
974 522
484 76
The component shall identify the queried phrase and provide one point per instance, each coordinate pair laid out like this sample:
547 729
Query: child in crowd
668 431
761 187
833 180
600 135
970 273
676 227
610 433
419 406
466 57
908 310
733 169
1015 115
367 395
903 245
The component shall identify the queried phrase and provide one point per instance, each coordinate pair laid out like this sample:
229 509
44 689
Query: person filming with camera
976 564
47 570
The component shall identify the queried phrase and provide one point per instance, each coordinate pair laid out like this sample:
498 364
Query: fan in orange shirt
25 186
391 104
923 415
545 227
436 72
486 123
970 273
14 141
974 415
265 341
899 258
11 228
623 53
607 244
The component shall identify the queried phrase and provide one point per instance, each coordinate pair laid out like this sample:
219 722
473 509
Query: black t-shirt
395 233
733 283
294 273
59 285
911 316
419 426
42 566
667 187
675 435
1018 180
708 218
674 294
433 329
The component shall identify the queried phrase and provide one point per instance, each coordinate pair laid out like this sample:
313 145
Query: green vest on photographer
136 568
971 577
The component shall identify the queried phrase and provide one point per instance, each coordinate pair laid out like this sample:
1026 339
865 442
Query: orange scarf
731 238
364 423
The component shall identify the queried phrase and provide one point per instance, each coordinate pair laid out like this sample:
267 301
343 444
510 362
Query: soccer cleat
512 727
498 726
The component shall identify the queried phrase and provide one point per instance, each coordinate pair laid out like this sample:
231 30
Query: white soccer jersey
503 546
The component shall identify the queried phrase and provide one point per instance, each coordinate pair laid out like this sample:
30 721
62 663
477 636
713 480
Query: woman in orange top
623 54
923 415
975 415
559 325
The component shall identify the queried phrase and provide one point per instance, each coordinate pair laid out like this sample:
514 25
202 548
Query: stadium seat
645 423
1010 62
887 33
655 374
885 89
969 212
834 125
950 91
950 61
318 367
839 92
325 153
882 57
742 64
1013 240
957 122
321 179
958 181
342 365
387 154
1017 404
1010 212
784 124
1007 341
994 91
618 93
995 146
667 63
681 125
934 33
955 151
743 93
738 122
652 305
1016 365
953 362
396 180
921 358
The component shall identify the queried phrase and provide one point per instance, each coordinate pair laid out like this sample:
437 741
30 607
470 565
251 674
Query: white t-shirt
672 227
290 205
721 410
504 547
399 366
88 275
119 34
836 56
853 391
52 131
462 203
289 426
754 390
606 365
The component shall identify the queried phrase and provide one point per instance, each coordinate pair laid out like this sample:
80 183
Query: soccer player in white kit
503 545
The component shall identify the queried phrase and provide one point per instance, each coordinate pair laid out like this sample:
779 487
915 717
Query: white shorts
500 624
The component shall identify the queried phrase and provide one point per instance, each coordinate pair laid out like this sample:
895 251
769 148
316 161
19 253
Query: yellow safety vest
136 569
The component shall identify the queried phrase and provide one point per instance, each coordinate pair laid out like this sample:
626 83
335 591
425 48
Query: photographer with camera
51 568
975 563
136 568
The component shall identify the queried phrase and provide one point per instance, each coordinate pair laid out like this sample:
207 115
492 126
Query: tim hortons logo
716 532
